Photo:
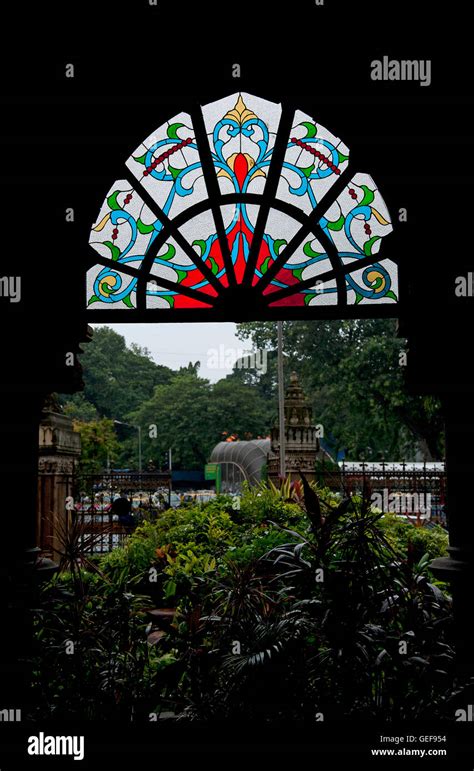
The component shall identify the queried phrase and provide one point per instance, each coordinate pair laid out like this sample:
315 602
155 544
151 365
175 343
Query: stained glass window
242 207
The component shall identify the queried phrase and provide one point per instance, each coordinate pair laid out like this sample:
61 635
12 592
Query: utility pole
170 468
139 449
139 429
281 401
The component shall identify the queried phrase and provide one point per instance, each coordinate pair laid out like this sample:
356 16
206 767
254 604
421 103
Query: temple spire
301 435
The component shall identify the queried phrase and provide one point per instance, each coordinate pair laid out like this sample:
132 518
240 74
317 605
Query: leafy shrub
264 503
319 592
402 534
256 543
109 670
204 529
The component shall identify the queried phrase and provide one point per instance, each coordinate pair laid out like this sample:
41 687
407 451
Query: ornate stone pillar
438 364
458 568
59 449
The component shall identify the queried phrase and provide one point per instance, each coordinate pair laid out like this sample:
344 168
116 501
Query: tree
191 416
117 379
79 408
239 408
98 444
352 375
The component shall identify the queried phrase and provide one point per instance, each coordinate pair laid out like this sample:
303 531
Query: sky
175 345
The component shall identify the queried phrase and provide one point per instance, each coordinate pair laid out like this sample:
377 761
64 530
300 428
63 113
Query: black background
63 142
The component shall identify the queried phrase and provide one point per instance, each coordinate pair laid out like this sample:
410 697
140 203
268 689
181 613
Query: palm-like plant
76 544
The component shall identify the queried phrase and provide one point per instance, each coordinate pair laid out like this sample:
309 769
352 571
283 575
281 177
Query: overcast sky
175 345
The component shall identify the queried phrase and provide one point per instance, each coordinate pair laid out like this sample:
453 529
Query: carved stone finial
51 404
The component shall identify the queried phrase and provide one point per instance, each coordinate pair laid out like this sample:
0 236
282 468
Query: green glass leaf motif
112 200
392 295
377 283
201 244
169 254
264 266
308 170
213 265
141 158
342 157
107 289
115 251
93 299
310 128
298 272
359 297
169 299
309 251
181 274
144 228
338 225
309 297
173 129
369 196
278 243
369 244
127 301
174 172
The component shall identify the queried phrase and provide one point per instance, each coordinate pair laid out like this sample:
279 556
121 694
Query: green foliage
264 503
202 530
117 378
98 444
184 572
192 416
422 540
351 373
123 383
331 645
330 603
78 408
349 370
109 670
257 542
